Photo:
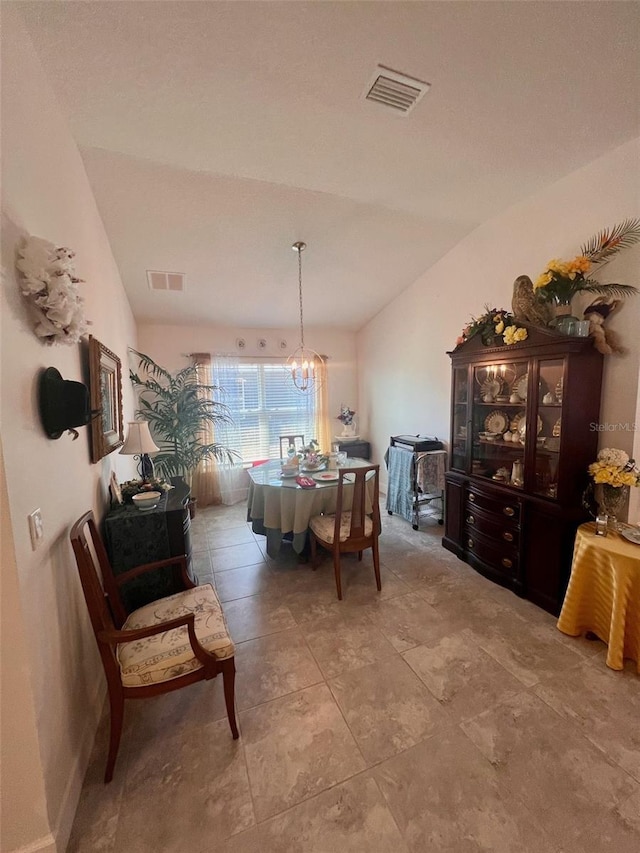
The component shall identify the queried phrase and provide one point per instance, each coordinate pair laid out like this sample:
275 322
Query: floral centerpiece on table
496 327
561 280
614 472
134 487
615 468
310 455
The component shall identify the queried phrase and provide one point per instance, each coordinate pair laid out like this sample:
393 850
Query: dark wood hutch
523 433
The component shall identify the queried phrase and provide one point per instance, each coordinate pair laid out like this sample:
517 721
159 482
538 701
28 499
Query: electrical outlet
36 529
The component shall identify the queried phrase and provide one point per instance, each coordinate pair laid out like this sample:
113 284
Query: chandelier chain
300 296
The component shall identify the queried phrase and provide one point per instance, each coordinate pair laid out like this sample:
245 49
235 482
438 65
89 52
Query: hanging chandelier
304 363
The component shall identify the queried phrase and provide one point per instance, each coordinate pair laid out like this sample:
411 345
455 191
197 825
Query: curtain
322 423
232 477
205 482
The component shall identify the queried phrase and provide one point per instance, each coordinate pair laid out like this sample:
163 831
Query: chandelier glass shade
303 364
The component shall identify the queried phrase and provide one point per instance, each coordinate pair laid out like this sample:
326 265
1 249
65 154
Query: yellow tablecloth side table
603 595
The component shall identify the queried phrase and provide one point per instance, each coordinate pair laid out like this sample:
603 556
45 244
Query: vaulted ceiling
215 134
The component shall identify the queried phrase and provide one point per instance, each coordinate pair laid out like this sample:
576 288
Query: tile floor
444 714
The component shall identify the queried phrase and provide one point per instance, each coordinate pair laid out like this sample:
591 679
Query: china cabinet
523 432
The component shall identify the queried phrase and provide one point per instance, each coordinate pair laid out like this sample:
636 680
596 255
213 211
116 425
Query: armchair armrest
180 561
113 638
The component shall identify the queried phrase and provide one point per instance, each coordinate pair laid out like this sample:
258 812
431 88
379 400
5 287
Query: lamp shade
138 440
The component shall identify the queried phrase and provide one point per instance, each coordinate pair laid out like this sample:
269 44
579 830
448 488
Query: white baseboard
71 796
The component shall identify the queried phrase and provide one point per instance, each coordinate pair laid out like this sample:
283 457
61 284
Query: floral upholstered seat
359 526
169 654
323 526
166 645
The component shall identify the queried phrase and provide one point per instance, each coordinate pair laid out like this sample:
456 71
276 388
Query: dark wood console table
134 537
356 449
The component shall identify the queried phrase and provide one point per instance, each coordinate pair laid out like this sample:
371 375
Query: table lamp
139 444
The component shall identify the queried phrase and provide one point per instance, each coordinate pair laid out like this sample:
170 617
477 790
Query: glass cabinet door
459 428
499 418
548 427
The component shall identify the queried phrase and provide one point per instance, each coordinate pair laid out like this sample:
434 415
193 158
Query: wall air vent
398 91
165 280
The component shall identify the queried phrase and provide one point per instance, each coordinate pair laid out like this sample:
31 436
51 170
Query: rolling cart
416 467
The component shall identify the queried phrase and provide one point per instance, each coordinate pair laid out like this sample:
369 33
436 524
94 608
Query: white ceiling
215 134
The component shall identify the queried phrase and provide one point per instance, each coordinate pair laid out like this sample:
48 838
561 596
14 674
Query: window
263 404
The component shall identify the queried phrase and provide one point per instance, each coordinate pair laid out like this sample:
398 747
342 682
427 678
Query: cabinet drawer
501 556
498 527
493 504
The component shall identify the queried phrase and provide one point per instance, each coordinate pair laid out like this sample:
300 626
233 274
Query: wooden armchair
353 529
155 649
286 441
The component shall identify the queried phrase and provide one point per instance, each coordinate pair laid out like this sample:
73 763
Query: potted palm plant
180 410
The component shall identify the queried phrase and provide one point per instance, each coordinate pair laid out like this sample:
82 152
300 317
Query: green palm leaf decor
608 242
180 409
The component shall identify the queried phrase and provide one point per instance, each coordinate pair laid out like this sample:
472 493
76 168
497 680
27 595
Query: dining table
278 507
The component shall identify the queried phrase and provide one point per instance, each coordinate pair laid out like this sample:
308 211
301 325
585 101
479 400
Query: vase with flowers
613 474
346 416
562 280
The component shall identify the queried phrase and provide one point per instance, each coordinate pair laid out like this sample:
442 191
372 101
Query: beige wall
46 193
168 344
54 677
404 371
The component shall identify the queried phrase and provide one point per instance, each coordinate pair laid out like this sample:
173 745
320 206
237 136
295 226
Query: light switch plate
36 529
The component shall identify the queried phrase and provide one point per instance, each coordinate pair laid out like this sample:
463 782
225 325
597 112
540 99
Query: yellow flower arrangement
614 468
514 334
561 280
496 327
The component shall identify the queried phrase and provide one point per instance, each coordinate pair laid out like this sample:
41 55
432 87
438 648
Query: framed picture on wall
105 389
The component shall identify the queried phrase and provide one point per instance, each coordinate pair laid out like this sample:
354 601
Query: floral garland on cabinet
496 328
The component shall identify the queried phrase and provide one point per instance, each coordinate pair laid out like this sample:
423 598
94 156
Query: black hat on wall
64 404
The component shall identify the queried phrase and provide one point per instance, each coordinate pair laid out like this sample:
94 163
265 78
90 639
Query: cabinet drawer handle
472 498
509 510
470 519
507 536
470 543
506 562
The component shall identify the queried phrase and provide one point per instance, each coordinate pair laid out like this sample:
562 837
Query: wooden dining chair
353 529
163 646
287 441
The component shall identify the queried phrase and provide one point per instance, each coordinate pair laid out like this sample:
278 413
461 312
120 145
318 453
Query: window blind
264 405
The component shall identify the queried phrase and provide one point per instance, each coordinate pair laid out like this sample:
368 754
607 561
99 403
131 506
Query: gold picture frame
105 389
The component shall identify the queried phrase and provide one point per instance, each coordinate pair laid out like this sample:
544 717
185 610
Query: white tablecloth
279 506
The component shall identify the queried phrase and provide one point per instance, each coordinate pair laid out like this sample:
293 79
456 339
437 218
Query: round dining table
603 596
278 506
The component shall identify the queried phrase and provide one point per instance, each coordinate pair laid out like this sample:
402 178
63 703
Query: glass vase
611 500
563 321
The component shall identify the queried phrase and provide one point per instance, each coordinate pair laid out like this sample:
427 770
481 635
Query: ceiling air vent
392 89
165 280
